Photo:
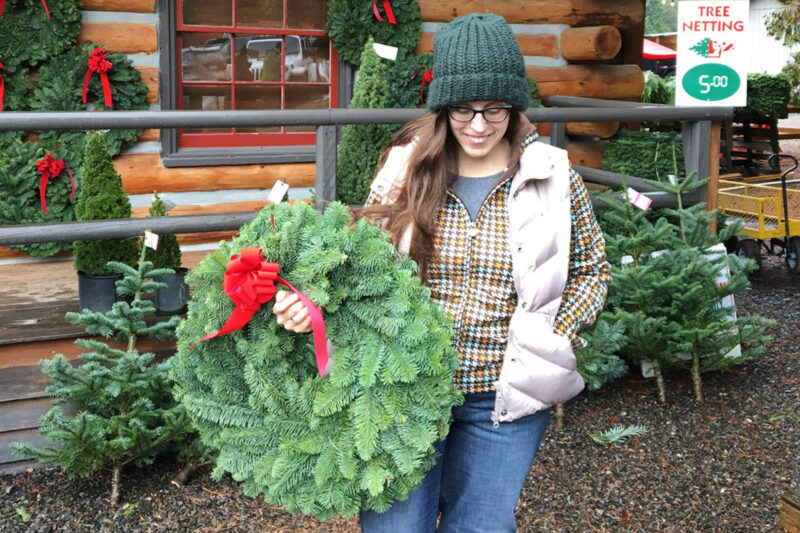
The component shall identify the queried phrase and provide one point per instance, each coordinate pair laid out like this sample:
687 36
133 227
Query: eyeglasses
491 114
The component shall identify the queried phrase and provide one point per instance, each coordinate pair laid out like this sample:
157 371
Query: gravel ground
717 467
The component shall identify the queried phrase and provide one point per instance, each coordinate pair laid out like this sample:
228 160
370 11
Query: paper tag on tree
151 240
277 193
638 199
385 51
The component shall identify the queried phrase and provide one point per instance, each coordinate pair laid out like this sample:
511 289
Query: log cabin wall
575 48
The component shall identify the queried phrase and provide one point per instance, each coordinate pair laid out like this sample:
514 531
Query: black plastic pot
97 293
171 300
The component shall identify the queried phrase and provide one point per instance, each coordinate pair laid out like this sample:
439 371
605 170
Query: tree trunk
594 42
188 469
662 391
697 381
559 414
116 474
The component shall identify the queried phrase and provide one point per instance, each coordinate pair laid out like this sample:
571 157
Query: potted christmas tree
100 198
171 299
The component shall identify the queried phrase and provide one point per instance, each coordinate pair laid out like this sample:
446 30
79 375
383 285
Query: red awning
653 50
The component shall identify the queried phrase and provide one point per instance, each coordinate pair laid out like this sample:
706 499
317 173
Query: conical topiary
102 198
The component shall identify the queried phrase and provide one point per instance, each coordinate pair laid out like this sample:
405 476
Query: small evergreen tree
597 361
362 144
168 254
666 292
101 197
128 414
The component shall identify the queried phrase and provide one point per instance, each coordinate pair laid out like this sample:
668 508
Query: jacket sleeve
589 273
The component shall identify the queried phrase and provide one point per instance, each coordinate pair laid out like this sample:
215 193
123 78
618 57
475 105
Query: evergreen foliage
658 90
660 17
767 95
101 198
20 182
533 87
784 23
792 71
127 412
667 294
168 254
17 91
362 144
404 79
351 23
27 37
645 154
362 436
597 361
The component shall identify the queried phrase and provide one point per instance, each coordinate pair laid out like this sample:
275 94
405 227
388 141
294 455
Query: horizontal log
586 153
149 135
123 37
616 82
604 130
232 207
150 79
624 14
130 6
143 173
588 43
531 44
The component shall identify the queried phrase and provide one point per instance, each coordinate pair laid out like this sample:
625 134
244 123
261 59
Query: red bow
426 78
250 282
2 88
98 63
3 4
51 168
386 7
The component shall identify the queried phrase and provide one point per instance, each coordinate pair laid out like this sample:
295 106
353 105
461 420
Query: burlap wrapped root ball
362 436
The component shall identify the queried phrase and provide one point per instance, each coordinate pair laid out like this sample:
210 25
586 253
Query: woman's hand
291 312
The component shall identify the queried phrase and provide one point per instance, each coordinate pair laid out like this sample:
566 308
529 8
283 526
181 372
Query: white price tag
638 199
385 51
278 191
151 240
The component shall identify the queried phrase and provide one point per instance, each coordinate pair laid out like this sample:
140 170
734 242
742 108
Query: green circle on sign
711 82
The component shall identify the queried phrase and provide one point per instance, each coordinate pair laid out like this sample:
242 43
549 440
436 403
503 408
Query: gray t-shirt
473 191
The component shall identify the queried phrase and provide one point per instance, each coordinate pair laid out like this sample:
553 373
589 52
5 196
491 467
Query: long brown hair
432 166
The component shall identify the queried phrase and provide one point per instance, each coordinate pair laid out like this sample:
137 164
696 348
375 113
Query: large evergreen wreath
352 22
27 37
362 436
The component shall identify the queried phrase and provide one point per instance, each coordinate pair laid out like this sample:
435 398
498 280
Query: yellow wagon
770 212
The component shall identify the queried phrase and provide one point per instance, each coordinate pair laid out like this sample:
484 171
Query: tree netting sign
712 53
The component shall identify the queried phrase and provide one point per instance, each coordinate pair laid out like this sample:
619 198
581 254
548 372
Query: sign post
712 56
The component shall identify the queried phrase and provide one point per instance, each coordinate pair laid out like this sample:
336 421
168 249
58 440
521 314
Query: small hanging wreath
363 435
22 183
28 37
352 22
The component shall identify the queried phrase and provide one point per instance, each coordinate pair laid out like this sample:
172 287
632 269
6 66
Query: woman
506 240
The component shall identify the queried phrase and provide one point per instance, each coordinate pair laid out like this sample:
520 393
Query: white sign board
712 53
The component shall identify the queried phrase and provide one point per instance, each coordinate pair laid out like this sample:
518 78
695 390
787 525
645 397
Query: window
249 54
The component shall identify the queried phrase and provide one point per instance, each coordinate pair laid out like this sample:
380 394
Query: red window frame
233 138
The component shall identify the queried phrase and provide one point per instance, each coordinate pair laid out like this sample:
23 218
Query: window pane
206 57
260 13
307 59
306 97
258 97
208 12
207 98
262 54
306 14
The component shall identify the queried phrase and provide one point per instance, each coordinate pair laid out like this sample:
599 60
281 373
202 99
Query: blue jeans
477 479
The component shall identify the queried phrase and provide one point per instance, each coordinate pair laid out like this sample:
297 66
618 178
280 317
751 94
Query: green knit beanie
477 57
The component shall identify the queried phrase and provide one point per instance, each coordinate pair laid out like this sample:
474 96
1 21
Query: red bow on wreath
387 7
2 88
51 168
250 282
47 12
426 78
98 63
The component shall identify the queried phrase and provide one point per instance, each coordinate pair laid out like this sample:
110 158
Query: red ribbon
250 282
387 7
50 167
3 5
426 78
98 63
2 88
